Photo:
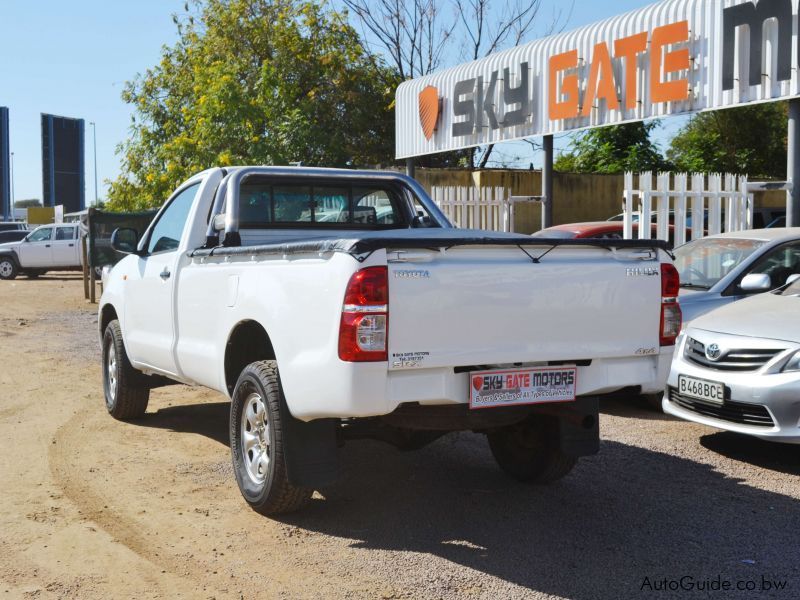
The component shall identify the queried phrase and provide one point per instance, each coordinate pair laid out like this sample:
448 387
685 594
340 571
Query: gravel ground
93 508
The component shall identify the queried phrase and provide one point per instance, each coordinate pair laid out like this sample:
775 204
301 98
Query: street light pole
12 186
94 145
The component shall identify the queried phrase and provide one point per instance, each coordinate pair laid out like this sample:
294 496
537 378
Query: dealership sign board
673 57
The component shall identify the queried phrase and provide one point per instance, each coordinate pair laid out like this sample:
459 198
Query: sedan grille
732 360
735 412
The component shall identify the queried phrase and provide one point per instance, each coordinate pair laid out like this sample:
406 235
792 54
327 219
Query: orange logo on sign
429 110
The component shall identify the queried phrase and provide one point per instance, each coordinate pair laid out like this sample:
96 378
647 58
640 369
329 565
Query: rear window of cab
268 204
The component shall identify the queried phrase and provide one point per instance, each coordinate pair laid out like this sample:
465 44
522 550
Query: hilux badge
713 352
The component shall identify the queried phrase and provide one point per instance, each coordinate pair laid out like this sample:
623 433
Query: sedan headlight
793 364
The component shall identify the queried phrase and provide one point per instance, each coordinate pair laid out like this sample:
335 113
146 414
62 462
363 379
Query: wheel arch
247 342
12 255
107 314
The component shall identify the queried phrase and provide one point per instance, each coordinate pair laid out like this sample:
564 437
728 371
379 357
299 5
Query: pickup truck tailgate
480 306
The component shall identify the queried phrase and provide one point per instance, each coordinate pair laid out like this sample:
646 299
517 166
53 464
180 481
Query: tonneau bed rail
362 246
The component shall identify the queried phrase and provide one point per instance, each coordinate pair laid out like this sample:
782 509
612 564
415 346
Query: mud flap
579 427
310 450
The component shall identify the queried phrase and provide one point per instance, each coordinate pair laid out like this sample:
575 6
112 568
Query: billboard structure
63 163
6 210
670 58
673 57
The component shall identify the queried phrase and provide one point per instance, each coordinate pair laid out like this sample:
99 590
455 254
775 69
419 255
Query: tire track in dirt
69 442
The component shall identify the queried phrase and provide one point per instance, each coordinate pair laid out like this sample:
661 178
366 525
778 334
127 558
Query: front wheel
257 435
529 451
8 268
125 391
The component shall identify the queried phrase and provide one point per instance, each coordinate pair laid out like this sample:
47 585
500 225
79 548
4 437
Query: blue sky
72 58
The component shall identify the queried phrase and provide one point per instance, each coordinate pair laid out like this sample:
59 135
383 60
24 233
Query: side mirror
756 282
125 239
422 220
792 278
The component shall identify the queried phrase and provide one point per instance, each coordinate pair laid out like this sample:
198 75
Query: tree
415 35
27 203
613 149
749 139
254 82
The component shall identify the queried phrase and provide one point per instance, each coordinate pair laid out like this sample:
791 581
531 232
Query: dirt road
94 508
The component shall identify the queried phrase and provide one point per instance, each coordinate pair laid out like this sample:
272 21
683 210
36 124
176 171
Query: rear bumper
369 390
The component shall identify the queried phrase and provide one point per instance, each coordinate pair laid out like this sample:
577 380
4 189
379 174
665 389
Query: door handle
165 274
71 245
47 245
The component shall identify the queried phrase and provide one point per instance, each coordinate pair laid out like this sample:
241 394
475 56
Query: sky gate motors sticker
522 386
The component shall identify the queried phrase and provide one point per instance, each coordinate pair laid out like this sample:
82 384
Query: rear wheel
8 268
529 451
257 442
125 391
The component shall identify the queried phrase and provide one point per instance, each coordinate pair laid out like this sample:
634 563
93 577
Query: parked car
393 326
609 230
738 368
720 269
46 248
13 226
763 217
12 235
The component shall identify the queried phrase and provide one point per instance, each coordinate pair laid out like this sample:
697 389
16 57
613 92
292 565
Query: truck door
35 250
149 319
63 247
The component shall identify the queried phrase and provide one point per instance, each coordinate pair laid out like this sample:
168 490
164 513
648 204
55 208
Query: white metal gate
695 205
480 208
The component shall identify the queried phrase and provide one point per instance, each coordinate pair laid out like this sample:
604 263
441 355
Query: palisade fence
695 204
470 207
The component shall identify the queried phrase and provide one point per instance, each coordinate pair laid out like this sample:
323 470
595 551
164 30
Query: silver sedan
738 368
720 269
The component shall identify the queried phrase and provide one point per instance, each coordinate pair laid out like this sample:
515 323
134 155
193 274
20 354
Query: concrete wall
578 197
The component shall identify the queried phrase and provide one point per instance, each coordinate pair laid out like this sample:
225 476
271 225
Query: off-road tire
260 382
529 451
653 400
126 393
8 268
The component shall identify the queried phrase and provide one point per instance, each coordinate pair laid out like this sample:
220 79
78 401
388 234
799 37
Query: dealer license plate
522 386
702 389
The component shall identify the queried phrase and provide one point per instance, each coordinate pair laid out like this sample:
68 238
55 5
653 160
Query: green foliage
254 82
749 139
27 203
613 149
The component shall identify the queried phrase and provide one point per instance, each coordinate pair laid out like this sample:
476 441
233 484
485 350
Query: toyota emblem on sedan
713 352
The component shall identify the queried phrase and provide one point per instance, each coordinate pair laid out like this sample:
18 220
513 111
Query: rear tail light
671 318
365 317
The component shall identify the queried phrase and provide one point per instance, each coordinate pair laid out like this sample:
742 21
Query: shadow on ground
629 406
782 458
621 516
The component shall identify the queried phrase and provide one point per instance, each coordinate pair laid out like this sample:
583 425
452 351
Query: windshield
702 263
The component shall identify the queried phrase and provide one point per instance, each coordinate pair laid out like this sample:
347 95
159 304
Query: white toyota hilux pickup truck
46 248
331 305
